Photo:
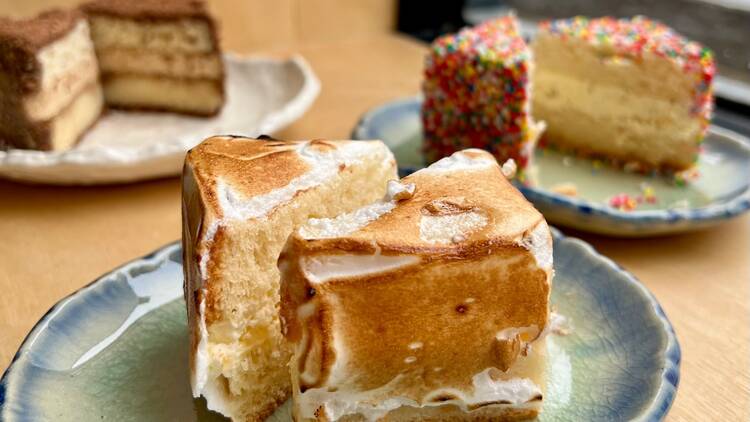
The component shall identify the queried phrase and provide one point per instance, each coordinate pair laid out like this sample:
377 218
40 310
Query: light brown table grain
54 240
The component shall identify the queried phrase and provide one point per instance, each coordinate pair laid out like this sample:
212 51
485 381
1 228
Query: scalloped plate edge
656 410
661 221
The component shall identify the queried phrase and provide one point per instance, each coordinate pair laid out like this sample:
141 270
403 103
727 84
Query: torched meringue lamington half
429 304
241 200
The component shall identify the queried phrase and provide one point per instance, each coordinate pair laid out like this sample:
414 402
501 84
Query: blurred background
280 25
697 19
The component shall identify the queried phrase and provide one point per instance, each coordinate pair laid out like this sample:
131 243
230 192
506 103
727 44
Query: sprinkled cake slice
632 91
477 93
49 81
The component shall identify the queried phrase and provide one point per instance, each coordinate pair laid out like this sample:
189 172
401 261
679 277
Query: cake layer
631 90
74 120
193 96
179 35
241 199
68 65
648 75
374 301
157 63
614 123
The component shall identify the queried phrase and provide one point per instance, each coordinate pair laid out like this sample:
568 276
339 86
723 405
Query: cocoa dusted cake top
34 33
148 9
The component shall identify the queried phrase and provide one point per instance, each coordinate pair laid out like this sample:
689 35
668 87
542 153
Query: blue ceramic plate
117 349
721 192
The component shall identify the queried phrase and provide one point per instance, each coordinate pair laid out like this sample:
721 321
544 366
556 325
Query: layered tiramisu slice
49 89
158 55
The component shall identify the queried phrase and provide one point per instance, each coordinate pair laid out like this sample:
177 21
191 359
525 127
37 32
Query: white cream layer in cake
632 91
68 67
154 63
241 199
375 300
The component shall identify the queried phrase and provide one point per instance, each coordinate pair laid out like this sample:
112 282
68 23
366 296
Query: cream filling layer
68 66
147 62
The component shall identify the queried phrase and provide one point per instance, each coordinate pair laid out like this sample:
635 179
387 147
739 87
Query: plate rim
655 411
123 157
712 212
160 254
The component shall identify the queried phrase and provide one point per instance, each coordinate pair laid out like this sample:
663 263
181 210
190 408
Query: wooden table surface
55 240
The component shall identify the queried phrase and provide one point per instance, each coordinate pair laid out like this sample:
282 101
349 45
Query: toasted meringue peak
398 191
509 169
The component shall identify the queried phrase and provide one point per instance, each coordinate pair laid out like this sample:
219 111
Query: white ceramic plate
263 96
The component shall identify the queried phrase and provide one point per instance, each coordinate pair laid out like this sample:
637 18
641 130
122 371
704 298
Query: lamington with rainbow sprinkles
477 94
631 92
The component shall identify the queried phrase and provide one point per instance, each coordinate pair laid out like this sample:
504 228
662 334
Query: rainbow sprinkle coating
476 93
640 36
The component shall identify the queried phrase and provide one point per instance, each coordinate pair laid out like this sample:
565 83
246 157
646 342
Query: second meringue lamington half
160 55
430 304
241 200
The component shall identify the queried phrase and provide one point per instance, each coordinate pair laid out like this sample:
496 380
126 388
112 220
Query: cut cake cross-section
241 200
49 81
631 91
160 55
431 304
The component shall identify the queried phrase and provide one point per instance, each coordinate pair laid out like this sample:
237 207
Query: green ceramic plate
117 349
721 192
